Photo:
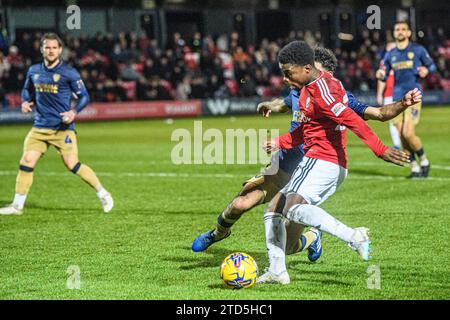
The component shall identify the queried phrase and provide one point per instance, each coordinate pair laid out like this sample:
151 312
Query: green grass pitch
141 250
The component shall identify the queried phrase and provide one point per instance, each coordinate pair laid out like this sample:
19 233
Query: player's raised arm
290 140
340 113
277 105
391 110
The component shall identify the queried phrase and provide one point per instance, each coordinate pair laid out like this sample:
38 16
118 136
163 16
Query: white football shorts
315 180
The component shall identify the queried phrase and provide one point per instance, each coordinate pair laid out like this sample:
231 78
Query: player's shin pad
24 180
225 221
88 175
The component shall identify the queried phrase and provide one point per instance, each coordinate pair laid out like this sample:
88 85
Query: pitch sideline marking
214 175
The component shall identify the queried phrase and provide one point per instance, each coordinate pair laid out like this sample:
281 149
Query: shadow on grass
213 257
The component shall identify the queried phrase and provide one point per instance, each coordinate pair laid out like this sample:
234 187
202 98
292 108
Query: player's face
51 50
401 32
295 76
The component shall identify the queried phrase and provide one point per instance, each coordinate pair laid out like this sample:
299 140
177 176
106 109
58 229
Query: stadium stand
132 67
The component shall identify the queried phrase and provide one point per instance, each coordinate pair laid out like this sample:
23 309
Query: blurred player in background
50 87
410 62
385 92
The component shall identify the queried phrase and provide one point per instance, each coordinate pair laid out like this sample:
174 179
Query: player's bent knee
291 211
29 160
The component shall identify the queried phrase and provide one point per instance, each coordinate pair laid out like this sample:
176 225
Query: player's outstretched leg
24 181
311 215
89 176
245 201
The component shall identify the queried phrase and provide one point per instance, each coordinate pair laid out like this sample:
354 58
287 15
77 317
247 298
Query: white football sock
275 241
19 200
101 193
318 218
424 161
415 166
395 135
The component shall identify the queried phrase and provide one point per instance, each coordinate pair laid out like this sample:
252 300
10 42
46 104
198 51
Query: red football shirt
325 115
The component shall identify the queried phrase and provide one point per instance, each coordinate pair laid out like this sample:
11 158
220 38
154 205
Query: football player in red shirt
325 116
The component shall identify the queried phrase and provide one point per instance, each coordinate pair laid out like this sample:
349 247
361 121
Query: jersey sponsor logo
338 108
68 140
299 116
345 99
44 87
56 77
403 65
410 55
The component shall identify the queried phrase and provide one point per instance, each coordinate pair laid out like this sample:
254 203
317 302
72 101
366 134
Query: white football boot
11 210
107 202
360 243
270 277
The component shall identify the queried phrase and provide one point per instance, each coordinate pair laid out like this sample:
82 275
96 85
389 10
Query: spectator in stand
205 66
183 91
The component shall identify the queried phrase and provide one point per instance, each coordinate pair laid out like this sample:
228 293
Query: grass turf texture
141 250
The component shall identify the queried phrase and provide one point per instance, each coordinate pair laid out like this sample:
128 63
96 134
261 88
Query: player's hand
68 116
264 109
26 106
270 146
395 156
380 74
412 97
423 71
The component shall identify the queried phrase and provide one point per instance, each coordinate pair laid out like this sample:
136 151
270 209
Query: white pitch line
215 175
366 164
138 174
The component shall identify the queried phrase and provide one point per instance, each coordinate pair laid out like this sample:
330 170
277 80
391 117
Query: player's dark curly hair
326 58
296 53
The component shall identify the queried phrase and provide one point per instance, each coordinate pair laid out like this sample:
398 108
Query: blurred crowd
129 67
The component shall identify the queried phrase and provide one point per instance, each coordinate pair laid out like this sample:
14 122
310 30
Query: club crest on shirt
36 77
308 100
410 55
56 77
